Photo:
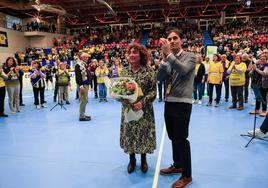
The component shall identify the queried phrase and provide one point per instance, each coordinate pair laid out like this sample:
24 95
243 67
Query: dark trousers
237 95
2 99
56 90
177 118
204 85
264 125
37 92
160 89
225 81
259 103
198 88
95 86
21 87
246 89
218 92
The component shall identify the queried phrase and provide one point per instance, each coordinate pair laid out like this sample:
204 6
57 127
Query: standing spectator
63 81
247 61
225 77
102 72
49 73
199 79
116 68
215 79
83 79
264 83
160 84
13 84
178 68
206 64
92 68
38 83
3 77
237 81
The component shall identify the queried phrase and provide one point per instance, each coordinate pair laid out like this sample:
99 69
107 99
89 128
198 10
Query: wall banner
3 39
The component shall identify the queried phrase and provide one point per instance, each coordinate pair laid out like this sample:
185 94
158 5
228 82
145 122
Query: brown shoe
170 170
263 113
254 112
182 182
240 108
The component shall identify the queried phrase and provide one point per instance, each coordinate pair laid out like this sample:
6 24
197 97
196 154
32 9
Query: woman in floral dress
138 137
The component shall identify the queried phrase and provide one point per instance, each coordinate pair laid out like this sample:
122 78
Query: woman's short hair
143 53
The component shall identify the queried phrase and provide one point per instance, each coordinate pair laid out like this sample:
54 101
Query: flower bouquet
126 89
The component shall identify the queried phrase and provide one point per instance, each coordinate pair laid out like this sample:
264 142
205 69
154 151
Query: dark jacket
78 75
200 74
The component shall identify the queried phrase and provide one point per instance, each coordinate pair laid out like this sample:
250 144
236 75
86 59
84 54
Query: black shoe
67 102
131 166
144 166
84 119
105 100
160 100
3 115
246 101
22 104
226 100
55 100
96 96
89 117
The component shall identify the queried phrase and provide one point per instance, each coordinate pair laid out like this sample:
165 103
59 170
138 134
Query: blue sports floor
52 149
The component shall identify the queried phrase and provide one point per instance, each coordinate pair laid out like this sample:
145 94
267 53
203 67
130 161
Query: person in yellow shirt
102 72
237 71
215 79
3 77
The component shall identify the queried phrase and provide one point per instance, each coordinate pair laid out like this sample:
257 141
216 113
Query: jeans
102 90
198 88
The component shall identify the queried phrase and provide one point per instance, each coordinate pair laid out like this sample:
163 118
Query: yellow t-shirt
2 82
196 68
215 72
237 79
101 73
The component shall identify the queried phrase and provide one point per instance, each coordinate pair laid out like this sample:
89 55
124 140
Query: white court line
157 168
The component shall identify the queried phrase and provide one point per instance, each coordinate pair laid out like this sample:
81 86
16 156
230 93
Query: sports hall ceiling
99 12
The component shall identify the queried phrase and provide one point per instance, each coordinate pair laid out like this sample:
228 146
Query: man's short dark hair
173 29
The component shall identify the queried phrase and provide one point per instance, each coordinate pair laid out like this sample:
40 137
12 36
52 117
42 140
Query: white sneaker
258 133
44 105
12 112
200 102
38 107
193 101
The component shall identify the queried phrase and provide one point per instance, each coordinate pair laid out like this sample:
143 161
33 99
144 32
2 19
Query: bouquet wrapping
124 88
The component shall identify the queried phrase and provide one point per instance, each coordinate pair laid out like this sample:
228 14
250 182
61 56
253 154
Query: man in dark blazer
83 79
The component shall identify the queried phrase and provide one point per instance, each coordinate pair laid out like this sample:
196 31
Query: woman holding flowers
138 137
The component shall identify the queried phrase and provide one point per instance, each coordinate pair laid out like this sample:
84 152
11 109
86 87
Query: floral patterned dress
139 136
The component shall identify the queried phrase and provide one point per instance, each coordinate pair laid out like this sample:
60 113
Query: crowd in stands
35 26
